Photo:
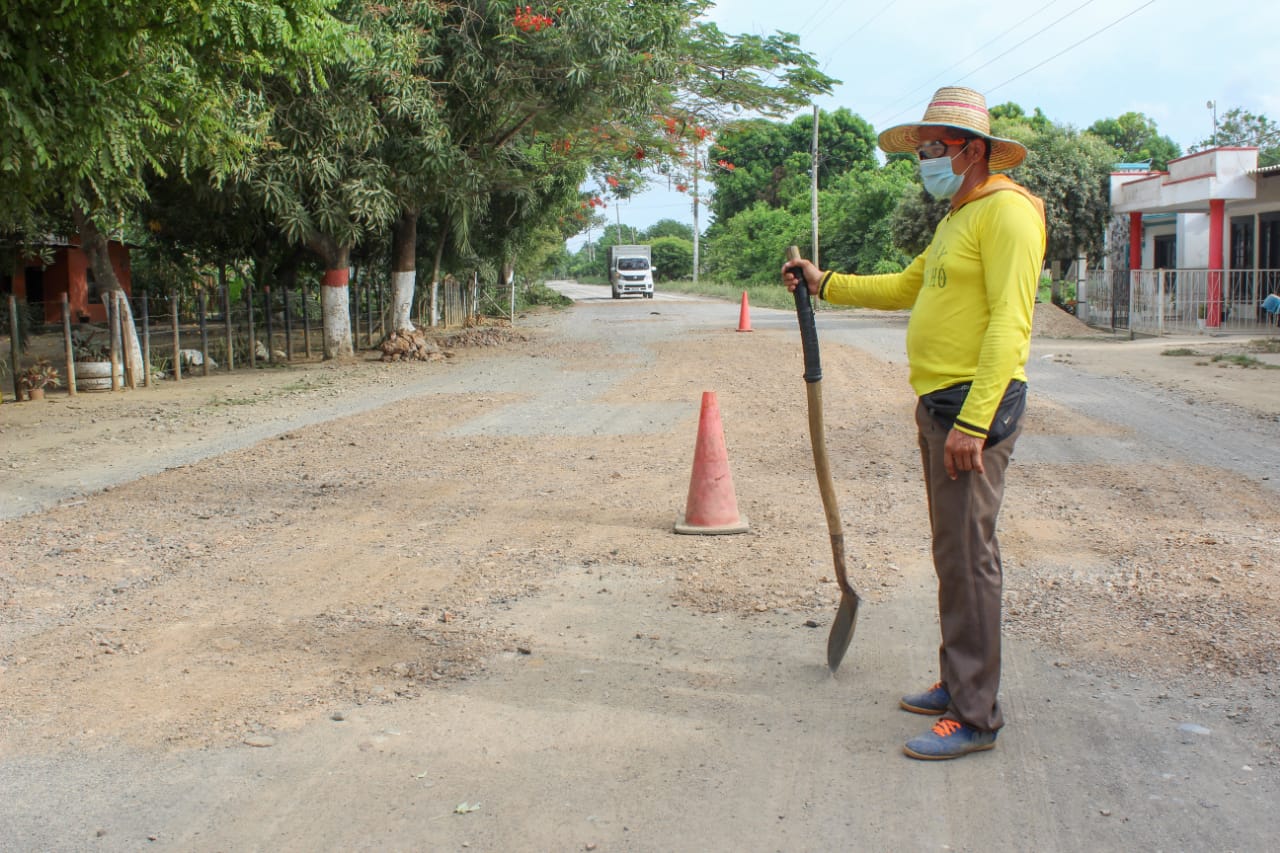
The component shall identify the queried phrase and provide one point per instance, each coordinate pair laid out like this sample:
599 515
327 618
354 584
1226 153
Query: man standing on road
971 295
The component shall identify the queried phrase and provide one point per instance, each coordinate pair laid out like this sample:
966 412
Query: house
1196 246
34 282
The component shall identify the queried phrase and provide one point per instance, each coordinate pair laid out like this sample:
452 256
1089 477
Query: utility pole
813 185
697 153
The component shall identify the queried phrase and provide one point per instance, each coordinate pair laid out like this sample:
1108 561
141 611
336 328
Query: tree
1137 140
856 218
749 247
718 77
1011 113
772 161
1238 127
98 93
669 228
915 217
322 179
671 256
1070 171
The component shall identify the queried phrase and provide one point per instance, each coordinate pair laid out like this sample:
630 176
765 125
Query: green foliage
772 160
672 257
1010 113
1246 361
539 294
914 219
1239 127
856 216
1136 139
751 246
97 93
1071 172
40 375
669 228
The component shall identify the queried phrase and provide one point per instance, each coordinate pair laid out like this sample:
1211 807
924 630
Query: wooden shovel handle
817 429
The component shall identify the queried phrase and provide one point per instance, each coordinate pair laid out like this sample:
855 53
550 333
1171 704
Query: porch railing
1180 301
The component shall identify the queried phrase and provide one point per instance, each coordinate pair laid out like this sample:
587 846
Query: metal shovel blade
842 630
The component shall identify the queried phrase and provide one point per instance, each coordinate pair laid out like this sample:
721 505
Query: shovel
847 616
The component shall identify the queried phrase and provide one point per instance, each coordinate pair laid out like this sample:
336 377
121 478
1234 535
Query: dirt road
440 606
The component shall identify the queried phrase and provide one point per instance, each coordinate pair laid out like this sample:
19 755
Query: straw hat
963 109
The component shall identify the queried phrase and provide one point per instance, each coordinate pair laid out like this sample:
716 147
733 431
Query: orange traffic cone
744 316
712 506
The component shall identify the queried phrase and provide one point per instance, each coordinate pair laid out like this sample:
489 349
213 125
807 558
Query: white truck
631 271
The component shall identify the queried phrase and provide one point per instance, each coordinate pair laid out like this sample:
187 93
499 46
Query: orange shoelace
946 728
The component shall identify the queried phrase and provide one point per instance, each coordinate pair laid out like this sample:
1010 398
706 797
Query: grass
759 295
233 401
1242 361
1229 359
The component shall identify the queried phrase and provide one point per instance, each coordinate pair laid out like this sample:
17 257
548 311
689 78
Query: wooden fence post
177 342
131 367
146 341
204 332
226 319
306 323
14 347
66 339
288 327
253 339
113 334
266 316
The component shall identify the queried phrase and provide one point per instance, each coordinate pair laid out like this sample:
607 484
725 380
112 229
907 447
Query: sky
1077 60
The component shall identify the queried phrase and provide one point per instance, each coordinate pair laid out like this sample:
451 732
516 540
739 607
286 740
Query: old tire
96 375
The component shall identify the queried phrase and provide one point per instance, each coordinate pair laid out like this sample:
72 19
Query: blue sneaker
949 739
932 701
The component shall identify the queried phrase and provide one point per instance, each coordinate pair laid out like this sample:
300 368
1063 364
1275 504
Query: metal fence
1180 301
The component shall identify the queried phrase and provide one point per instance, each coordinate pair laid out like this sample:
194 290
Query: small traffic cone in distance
712 505
744 315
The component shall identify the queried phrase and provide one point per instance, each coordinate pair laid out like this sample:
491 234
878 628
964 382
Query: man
971 295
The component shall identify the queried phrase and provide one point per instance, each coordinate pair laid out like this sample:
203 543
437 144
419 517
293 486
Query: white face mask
939 179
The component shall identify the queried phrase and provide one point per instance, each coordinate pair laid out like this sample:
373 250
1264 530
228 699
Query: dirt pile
1050 321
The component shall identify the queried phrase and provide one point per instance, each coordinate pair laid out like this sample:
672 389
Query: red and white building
1196 247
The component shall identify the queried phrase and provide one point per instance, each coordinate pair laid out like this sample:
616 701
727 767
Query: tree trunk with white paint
335 296
404 266
435 282
97 252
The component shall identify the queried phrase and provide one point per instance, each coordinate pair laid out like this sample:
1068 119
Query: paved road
579 292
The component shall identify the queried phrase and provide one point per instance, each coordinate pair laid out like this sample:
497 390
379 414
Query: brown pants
966 557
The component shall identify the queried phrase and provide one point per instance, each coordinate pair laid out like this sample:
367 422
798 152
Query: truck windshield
632 264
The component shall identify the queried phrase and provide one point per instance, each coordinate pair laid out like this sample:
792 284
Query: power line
935 77
1038 32
816 12
1072 47
1027 39
870 20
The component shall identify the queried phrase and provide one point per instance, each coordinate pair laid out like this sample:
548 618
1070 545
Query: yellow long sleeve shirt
971 295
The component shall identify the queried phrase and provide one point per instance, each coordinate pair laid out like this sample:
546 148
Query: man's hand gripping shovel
847 616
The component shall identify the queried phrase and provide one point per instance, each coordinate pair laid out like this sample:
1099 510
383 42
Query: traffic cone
744 316
712 506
